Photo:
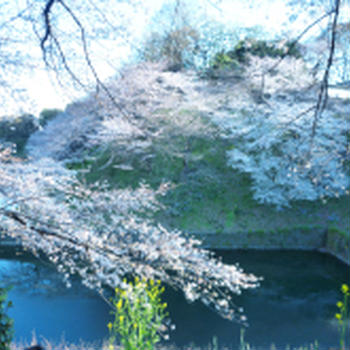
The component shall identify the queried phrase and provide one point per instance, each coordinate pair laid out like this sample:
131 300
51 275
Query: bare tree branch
298 38
46 14
290 48
323 93
88 60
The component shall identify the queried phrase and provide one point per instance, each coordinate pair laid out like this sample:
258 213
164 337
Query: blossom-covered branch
102 235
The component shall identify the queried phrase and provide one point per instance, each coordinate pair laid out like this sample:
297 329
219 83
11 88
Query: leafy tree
6 323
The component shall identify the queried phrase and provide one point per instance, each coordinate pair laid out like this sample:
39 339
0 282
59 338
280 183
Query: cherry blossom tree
103 235
99 233
292 144
285 164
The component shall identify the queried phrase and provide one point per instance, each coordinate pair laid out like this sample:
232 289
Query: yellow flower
135 325
110 347
120 304
344 288
137 279
165 305
338 316
151 282
340 304
110 325
121 318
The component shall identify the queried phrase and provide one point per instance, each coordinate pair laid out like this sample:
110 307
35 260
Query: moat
295 304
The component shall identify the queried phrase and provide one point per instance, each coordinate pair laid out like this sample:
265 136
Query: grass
209 196
214 345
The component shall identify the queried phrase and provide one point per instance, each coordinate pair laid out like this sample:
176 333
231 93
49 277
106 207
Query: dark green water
295 304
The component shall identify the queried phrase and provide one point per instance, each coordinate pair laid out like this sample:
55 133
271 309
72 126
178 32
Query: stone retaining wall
7 241
338 244
332 241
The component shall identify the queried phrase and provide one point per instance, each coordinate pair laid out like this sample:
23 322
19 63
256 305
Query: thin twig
291 46
88 60
298 38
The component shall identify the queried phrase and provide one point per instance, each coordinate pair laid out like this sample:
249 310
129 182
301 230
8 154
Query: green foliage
138 315
208 196
48 114
293 49
6 323
342 316
261 48
243 345
225 59
17 130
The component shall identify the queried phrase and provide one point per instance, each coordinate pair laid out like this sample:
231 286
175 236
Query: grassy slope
210 197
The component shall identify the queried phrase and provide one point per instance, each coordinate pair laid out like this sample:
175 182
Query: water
295 304
45 307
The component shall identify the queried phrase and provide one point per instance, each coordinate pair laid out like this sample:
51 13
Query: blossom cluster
101 235
273 140
285 162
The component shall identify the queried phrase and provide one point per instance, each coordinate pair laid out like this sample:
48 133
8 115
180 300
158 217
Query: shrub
17 129
6 323
48 114
261 48
138 315
223 59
